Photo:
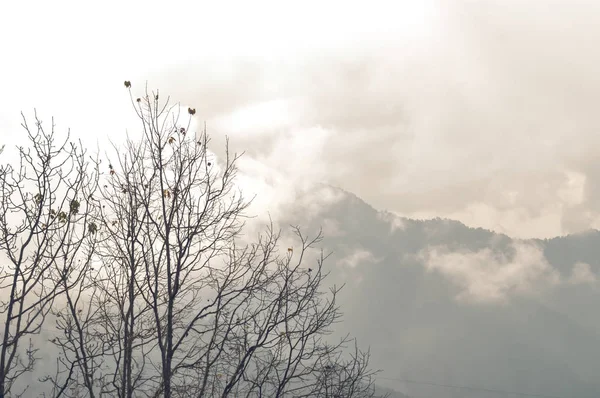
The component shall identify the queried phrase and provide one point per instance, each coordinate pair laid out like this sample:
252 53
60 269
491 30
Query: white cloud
487 276
522 205
433 127
572 193
394 220
582 274
402 103
258 119
359 257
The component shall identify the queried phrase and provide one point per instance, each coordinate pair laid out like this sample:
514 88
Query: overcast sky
482 111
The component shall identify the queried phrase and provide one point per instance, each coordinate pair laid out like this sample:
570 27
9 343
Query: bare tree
45 203
177 306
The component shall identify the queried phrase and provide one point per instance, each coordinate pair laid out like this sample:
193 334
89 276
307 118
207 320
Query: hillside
444 303
441 304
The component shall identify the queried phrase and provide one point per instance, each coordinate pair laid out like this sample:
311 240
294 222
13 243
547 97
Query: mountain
440 303
450 311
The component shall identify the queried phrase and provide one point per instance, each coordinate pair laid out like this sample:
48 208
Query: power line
470 388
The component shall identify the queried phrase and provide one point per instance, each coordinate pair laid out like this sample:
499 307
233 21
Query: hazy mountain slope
427 322
542 335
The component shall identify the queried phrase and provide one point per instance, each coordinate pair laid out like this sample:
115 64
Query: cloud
482 116
395 221
582 274
358 256
351 266
482 111
489 277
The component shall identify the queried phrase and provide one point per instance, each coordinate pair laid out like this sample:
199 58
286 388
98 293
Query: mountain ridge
441 301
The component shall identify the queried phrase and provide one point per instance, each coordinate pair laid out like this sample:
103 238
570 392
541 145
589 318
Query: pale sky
481 111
